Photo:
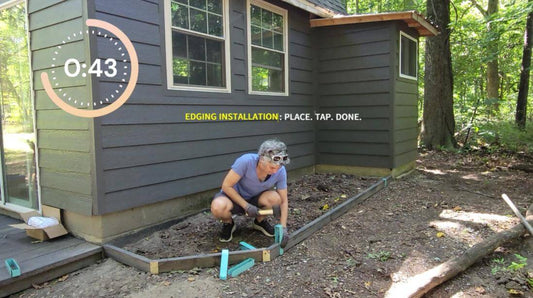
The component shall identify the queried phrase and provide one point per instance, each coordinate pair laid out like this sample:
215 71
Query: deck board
40 261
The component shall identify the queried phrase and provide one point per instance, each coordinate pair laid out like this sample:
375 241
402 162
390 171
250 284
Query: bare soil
449 203
310 196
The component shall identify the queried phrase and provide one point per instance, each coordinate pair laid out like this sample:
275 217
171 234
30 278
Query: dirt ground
310 196
449 203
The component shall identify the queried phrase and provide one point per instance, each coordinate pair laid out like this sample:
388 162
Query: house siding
149 153
64 142
405 114
356 76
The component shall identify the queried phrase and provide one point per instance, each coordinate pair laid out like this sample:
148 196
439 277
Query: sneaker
264 227
227 232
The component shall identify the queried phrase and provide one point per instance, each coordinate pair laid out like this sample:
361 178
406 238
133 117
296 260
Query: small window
267 49
197 43
408 56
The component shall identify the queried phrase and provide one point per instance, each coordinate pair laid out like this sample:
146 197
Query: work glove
285 238
252 211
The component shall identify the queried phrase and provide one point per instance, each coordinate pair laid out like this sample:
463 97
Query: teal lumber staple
224 264
278 236
385 180
245 246
241 267
12 267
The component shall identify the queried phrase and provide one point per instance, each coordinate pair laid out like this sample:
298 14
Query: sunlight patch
482 218
446 225
474 177
435 172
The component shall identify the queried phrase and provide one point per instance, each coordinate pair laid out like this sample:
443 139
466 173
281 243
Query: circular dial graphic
121 71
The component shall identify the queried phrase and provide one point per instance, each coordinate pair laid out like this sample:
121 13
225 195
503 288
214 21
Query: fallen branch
420 284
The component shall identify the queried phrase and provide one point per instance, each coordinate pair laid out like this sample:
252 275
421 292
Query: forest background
486 43
485 36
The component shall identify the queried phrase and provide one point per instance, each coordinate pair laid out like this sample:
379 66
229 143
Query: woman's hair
273 147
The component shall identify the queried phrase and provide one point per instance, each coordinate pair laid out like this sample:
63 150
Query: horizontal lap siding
355 76
64 141
148 152
405 110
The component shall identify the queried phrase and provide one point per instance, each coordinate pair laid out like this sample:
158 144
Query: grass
381 255
499 264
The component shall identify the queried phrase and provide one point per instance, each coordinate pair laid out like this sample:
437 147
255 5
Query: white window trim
168 50
400 51
284 14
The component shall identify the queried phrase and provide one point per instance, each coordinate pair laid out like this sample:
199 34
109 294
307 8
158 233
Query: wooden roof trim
312 8
412 18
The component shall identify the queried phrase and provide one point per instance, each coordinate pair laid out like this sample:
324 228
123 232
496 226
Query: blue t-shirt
249 184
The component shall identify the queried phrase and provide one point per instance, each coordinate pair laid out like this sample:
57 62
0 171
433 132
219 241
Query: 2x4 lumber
310 228
210 260
128 258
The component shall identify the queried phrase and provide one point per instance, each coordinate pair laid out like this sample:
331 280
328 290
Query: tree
438 124
14 83
493 81
377 6
523 87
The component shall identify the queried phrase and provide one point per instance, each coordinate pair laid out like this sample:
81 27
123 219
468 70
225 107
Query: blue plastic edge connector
12 267
278 236
245 246
241 267
224 264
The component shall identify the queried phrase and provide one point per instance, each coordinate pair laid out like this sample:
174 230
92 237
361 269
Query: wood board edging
261 254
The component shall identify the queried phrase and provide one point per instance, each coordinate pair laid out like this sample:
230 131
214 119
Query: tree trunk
438 119
523 87
493 81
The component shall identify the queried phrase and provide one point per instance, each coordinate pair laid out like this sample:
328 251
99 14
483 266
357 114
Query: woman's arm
227 187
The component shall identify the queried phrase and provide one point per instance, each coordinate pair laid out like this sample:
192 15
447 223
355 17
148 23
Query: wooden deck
40 262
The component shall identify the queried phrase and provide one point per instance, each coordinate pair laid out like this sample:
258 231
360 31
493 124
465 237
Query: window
267 49
197 45
18 167
408 56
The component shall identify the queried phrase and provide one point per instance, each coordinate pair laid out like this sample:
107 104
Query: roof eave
312 8
412 18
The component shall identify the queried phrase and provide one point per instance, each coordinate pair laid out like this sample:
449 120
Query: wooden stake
517 213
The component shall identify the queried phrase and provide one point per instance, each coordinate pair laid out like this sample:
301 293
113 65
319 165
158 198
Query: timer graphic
122 73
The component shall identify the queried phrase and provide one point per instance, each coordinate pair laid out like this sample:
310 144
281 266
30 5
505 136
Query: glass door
17 154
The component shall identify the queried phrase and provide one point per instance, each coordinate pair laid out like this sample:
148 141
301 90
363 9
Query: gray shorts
236 208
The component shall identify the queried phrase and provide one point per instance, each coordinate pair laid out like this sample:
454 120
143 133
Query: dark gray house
206 69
